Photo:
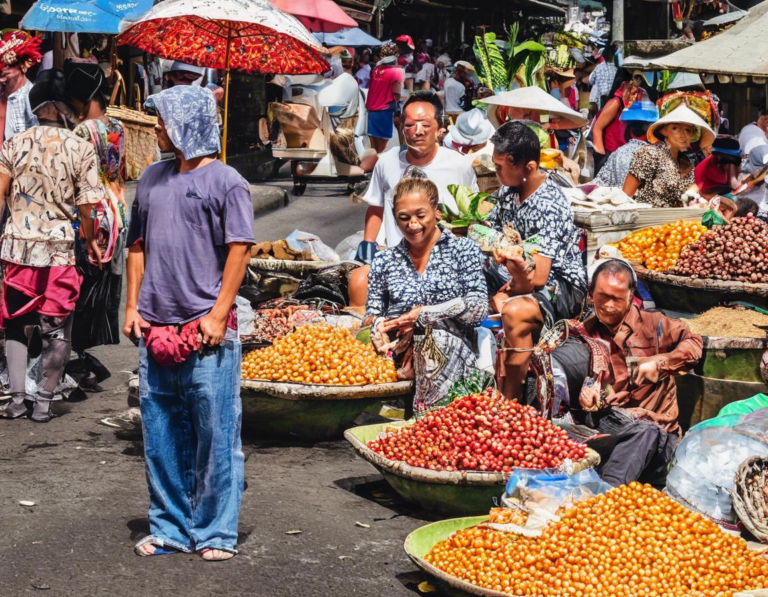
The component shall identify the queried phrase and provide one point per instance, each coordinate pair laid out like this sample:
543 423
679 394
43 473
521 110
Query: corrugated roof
742 50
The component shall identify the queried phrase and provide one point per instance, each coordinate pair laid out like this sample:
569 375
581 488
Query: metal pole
226 98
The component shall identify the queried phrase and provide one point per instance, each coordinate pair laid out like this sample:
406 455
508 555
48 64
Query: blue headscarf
189 114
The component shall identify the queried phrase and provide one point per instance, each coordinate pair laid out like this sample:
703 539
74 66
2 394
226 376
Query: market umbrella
353 37
82 16
534 98
247 35
319 16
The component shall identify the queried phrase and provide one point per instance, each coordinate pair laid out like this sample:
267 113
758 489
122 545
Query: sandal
224 555
140 549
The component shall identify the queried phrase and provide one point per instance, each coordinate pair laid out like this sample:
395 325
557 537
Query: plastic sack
712 218
745 407
244 316
347 249
299 241
550 489
705 462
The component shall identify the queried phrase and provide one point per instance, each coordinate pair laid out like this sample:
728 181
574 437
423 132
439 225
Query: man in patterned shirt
534 206
602 78
50 175
18 53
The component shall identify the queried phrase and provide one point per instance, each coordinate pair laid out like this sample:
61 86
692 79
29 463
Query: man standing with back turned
189 242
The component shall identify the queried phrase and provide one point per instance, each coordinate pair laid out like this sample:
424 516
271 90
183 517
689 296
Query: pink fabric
380 90
52 291
167 345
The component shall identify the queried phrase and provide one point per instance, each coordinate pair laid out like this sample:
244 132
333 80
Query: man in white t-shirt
422 117
754 134
455 88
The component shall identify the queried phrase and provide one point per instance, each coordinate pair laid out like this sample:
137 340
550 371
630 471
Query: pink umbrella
319 16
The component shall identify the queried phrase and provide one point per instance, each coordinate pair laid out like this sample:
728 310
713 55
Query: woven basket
702 283
300 391
292 267
423 475
140 139
749 501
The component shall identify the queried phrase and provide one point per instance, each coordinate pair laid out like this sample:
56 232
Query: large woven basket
300 391
140 139
749 501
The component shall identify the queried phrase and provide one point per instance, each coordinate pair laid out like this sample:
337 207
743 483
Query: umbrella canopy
741 50
353 37
319 16
246 35
534 98
82 16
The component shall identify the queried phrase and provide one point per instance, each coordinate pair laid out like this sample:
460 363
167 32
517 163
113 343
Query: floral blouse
452 286
659 174
614 171
547 215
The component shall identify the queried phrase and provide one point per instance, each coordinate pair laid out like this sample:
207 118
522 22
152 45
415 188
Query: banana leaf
475 205
491 62
527 53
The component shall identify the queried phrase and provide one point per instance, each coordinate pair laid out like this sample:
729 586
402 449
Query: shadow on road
375 489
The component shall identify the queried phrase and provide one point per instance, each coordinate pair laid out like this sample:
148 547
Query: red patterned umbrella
319 16
246 35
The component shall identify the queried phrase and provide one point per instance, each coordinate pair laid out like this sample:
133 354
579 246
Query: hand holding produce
483 432
732 252
319 354
658 248
633 540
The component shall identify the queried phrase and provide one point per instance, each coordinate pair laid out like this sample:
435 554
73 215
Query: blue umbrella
351 37
83 16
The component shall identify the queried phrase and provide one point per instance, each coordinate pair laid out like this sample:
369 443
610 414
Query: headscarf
189 114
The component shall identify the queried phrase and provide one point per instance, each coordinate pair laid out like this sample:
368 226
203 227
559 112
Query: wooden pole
226 99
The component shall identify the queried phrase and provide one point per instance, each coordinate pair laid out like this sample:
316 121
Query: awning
741 50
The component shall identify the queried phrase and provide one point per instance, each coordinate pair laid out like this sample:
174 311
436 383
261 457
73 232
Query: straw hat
532 98
683 114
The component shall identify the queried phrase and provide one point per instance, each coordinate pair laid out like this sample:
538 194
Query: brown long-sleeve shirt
647 335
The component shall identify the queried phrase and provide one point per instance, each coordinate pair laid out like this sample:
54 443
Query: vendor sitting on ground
534 206
635 404
661 173
428 292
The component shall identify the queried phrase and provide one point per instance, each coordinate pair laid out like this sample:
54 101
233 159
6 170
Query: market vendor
428 292
719 172
635 404
661 172
531 203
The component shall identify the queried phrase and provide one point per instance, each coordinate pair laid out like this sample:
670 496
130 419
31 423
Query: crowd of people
189 232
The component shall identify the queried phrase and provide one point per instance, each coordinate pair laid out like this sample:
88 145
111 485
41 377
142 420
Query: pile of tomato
484 432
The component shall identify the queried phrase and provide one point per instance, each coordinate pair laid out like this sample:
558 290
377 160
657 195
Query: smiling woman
426 295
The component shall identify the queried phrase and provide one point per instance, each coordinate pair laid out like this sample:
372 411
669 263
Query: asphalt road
90 496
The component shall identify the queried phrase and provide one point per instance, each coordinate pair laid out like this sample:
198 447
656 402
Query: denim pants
191 414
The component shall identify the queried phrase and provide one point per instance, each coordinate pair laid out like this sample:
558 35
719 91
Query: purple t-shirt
185 221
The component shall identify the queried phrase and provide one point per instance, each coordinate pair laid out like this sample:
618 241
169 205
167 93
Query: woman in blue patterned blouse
430 285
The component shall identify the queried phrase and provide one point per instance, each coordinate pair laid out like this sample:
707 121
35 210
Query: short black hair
516 140
745 206
612 267
426 97
636 130
762 113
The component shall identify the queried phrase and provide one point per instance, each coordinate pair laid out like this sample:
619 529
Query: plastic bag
712 218
244 316
96 318
347 249
706 461
299 241
744 407
550 489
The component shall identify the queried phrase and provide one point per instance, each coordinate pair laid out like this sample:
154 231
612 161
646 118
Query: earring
525 180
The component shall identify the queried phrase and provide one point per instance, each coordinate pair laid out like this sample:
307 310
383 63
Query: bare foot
216 555
145 549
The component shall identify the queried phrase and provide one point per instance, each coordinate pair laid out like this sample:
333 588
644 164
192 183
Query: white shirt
363 76
454 91
448 167
750 137
19 116
426 73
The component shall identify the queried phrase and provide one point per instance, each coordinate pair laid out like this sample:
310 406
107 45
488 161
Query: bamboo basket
447 492
292 267
140 139
696 295
750 504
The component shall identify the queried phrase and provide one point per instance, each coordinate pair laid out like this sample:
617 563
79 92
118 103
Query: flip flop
159 549
229 555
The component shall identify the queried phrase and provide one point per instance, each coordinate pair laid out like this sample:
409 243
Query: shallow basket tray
447 492
293 267
300 391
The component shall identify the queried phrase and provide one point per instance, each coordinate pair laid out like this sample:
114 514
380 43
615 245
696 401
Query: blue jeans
192 415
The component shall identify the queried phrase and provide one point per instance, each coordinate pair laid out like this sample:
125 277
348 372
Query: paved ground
91 499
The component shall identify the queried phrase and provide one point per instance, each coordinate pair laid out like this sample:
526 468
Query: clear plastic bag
298 241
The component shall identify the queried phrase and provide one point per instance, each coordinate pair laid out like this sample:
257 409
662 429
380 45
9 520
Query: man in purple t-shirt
189 243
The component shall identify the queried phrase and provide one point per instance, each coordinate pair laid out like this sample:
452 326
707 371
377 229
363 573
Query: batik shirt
109 142
547 216
616 168
453 281
601 80
53 171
